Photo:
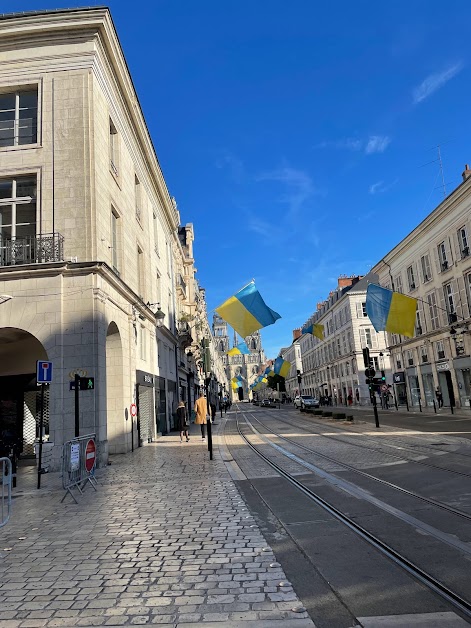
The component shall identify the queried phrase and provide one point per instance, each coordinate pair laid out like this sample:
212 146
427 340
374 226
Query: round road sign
90 455
133 409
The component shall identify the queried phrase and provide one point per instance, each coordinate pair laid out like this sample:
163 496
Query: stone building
99 270
433 265
245 366
334 366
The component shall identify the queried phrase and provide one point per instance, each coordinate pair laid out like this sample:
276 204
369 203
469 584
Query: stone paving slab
166 540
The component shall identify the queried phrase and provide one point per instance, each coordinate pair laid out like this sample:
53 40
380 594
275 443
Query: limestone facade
91 248
433 265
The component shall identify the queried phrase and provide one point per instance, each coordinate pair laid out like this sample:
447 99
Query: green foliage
274 380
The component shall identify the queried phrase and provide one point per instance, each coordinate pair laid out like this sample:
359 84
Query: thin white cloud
374 144
347 143
375 187
434 82
377 144
379 187
299 184
227 159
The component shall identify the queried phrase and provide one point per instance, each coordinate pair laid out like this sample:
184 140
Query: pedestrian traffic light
383 376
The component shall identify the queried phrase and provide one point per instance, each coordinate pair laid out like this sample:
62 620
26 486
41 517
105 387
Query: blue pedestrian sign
43 372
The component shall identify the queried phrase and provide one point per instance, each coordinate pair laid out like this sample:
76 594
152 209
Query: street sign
74 457
43 372
133 409
369 372
90 455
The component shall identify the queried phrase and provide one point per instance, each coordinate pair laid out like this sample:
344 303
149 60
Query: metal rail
427 500
394 455
429 581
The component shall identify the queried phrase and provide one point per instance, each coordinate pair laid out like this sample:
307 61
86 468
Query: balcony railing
37 249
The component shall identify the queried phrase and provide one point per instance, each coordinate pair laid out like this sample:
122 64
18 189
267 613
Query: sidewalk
166 539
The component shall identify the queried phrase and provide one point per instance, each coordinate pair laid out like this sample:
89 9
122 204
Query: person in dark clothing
182 421
212 406
439 396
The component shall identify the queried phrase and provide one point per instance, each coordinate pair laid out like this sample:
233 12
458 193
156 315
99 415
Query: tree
274 380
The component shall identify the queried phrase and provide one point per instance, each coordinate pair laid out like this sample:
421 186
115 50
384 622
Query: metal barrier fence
78 464
6 475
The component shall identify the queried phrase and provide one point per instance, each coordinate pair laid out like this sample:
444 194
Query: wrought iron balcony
184 334
37 249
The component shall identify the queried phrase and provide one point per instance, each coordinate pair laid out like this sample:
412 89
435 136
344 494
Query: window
418 324
450 302
375 363
114 152
398 363
156 233
433 310
361 310
424 353
140 272
440 349
468 285
354 367
367 338
17 220
425 266
463 241
442 256
411 278
138 199
114 240
410 357
19 117
398 284
142 342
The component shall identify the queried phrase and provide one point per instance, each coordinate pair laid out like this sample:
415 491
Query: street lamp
159 315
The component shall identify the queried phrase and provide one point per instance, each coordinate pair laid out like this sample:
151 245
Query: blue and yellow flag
247 311
281 367
314 329
391 311
240 349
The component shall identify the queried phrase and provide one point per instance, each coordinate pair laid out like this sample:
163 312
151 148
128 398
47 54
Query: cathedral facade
246 366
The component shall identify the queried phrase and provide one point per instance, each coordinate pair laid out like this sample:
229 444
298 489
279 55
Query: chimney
343 281
319 305
467 173
296 334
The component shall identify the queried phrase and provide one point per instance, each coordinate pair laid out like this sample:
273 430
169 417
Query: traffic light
366 357
299 376
383 376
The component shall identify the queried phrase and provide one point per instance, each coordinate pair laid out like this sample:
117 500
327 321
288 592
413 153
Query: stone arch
116 407
19 396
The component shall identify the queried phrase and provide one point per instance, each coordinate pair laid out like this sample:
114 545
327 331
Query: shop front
462 368
445 383
427 385
399 380
414 388
160 405
145 407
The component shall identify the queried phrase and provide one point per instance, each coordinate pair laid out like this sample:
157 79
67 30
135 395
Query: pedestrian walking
201 409
183 422
439 397
350 399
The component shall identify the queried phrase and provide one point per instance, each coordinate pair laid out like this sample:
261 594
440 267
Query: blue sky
294 135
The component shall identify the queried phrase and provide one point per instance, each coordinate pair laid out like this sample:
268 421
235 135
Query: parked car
265 403
306 401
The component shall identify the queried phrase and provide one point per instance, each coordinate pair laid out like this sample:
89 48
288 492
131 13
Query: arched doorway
19 394
115 404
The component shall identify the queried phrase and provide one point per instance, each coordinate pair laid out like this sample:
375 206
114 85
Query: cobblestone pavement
165 540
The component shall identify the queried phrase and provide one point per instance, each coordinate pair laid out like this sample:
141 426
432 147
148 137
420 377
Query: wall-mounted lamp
159 315
189 354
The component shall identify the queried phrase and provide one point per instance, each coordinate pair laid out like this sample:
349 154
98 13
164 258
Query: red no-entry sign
90 455
133 409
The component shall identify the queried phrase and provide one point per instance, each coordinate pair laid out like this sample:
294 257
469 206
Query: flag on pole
246 311
391 311
316 330
240 349
281 367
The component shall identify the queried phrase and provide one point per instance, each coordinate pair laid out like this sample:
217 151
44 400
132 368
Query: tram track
432 583
339 439
349 467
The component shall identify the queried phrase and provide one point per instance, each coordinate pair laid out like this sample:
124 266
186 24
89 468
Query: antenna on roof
441 170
